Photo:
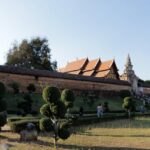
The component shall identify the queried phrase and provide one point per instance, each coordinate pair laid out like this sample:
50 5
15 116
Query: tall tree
33 54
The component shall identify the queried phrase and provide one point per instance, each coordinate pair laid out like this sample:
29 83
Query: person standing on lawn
99 111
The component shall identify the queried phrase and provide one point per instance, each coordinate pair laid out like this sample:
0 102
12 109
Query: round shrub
45 110
46 125
51 94
2 90
67 96
128 104
65 124
63 133
26 105
58 110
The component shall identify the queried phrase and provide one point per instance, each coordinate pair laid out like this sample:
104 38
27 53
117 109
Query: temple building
130 76
94 68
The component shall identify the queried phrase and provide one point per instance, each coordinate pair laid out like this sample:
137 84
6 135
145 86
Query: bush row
20 125
12 119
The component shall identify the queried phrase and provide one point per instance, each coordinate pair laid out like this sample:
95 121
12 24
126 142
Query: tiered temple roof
95 68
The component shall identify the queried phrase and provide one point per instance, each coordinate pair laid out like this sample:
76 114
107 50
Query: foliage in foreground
54 111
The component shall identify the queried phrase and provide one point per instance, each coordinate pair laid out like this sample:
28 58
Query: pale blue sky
81 28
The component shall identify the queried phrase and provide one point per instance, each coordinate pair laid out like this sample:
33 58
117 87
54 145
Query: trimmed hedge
18 126
95 112
94 119
12 119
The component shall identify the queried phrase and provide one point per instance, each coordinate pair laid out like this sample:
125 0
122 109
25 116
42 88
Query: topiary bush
20 125
63 133
128 105
3 106
51 94
26 105
68 98
54 110
46 124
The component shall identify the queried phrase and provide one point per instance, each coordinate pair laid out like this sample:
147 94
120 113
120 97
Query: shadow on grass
3 137
80 147
88 134
70 146
77 147
38 142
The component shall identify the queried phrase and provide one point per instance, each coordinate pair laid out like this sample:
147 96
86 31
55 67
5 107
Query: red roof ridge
105 65
90 66
74 65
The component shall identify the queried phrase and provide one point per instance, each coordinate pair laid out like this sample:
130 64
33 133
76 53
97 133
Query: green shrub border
20 123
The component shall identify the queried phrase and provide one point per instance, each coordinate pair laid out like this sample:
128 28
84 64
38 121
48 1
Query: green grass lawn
114 103
122 134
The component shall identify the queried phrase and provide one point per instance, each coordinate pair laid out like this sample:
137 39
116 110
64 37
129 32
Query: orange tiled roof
106 65
102 73
92 64
88 73
90 68
74 65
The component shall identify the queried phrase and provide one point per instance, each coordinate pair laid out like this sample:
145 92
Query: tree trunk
68 113
55 124
55 143
129 113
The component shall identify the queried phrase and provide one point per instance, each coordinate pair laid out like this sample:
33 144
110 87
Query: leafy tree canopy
33 54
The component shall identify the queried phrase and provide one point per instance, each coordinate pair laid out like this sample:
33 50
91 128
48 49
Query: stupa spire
128 62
